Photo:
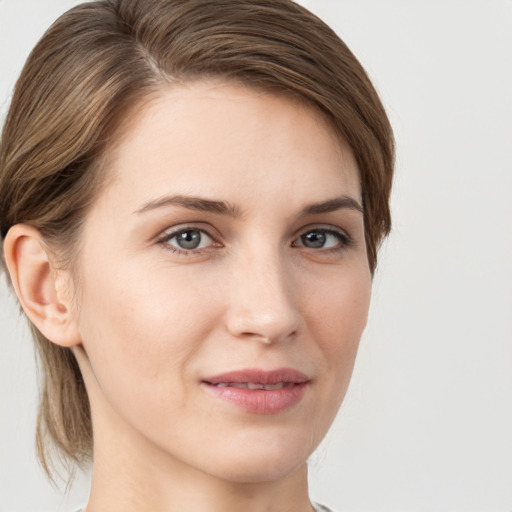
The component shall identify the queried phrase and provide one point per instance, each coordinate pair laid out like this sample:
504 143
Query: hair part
94 68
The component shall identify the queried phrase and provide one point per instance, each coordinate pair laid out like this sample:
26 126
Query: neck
180 493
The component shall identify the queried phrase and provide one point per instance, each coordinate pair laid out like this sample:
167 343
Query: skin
151 319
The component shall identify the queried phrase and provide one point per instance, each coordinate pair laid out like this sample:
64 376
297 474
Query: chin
252 471
263 459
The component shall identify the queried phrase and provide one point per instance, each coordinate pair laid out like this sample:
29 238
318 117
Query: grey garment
321 508
318 508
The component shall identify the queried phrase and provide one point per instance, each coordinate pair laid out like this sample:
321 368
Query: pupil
189 239
314 239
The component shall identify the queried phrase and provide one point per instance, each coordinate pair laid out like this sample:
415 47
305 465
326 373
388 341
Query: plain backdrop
427 423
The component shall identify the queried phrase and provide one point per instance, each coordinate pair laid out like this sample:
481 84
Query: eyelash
343 238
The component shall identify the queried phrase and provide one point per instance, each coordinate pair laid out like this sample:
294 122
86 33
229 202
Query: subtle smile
257 391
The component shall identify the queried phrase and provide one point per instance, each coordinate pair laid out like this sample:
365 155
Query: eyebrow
193 203
225 208
331 205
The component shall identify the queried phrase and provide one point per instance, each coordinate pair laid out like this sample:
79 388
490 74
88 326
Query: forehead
221 138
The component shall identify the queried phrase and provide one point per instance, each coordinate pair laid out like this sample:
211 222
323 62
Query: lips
253 385
257 391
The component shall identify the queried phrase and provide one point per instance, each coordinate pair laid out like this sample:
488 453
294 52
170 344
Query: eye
322 238
187 239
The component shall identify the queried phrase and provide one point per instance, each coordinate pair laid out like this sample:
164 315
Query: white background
427 423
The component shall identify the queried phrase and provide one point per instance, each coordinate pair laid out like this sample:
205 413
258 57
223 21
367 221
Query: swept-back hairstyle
95 65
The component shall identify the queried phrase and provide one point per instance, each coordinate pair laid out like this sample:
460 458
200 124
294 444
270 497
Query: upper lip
258 376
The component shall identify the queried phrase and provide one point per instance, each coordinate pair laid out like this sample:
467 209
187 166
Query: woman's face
224 282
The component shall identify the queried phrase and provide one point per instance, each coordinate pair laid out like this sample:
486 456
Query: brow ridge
193 203
331 205
225 208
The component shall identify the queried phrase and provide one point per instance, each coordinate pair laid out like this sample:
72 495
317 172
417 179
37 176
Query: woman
193 194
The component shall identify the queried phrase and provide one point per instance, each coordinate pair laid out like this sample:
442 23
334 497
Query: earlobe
41 289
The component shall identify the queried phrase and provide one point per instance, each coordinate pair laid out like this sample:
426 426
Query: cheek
140 329
337 314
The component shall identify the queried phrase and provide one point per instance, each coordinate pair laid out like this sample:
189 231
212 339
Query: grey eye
188 239
314 239
322 239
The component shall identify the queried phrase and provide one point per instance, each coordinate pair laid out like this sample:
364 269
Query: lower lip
260 401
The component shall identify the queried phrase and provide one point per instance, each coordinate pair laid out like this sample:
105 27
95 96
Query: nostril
269 338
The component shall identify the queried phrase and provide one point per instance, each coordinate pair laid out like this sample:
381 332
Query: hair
95 65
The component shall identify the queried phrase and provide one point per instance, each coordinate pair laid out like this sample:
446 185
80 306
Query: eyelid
322 227
183 226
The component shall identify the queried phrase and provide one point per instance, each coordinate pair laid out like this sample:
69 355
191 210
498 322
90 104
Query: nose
262 300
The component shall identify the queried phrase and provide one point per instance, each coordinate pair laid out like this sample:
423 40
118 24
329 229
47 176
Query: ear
44 292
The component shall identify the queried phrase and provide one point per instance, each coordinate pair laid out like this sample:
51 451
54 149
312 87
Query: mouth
252 385
258 391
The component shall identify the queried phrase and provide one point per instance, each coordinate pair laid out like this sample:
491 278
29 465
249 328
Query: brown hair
97 63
